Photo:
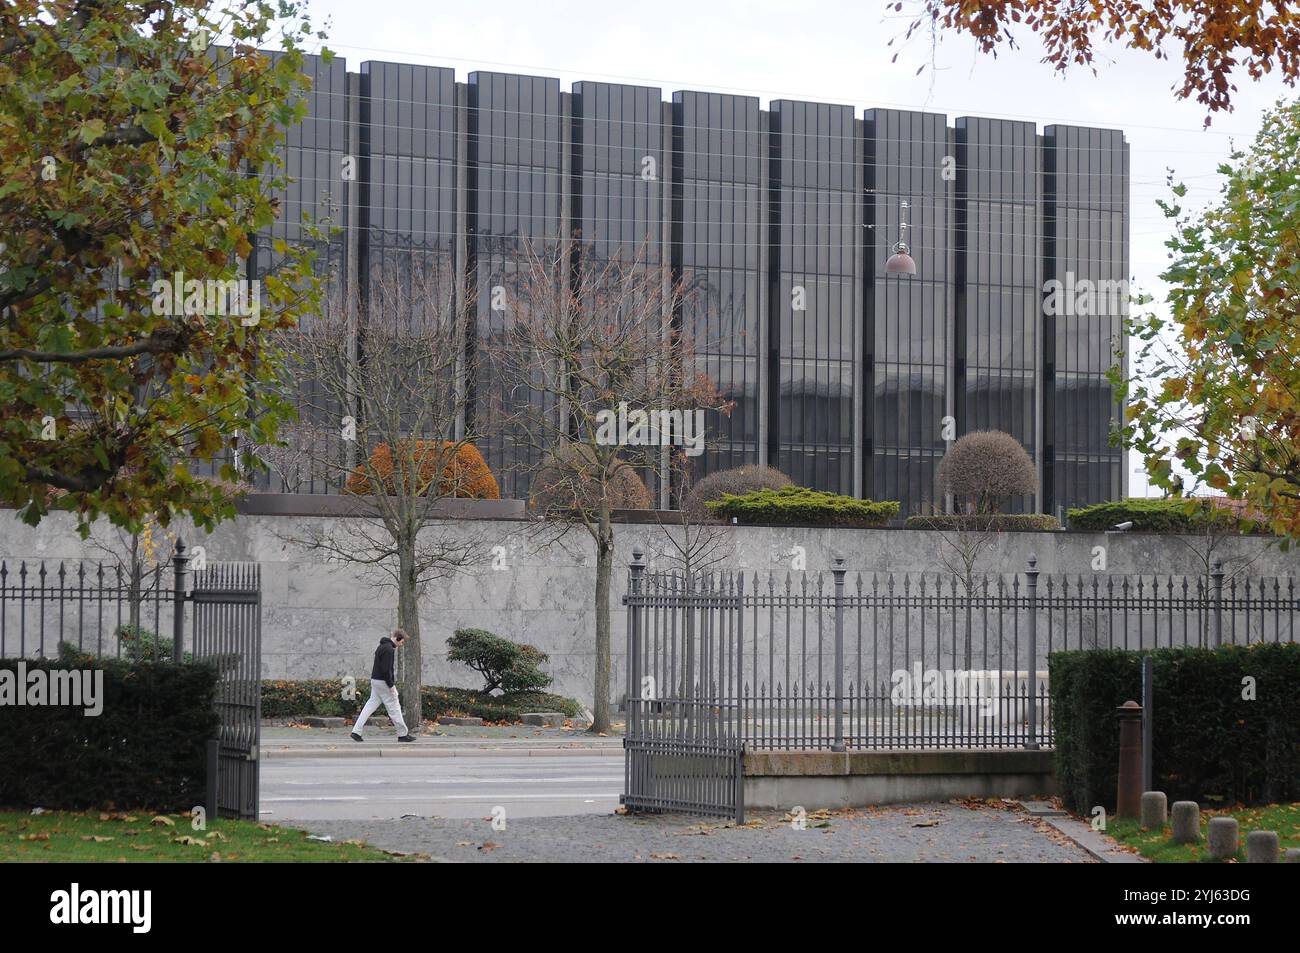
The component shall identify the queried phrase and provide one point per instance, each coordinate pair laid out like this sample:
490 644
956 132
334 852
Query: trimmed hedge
1170 515
995 522
800 506
294 698
1211 745
147 749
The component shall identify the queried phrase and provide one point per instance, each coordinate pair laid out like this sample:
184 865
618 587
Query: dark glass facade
909 321
718 252
780 220
814 259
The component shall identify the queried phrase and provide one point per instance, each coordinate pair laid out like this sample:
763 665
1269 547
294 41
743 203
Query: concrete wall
821 779
323 620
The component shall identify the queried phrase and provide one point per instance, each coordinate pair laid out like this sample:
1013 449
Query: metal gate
227 601
681 751
136 610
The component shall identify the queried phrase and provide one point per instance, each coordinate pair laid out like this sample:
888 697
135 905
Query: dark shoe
356 737
407 738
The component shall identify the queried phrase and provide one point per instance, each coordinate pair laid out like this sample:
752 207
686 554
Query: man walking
382 689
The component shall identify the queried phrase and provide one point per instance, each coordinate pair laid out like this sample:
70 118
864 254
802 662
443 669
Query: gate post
1031 674
1216 579
637 570
180 566
838 572
213 776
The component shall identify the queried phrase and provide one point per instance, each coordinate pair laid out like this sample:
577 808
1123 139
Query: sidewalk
947 832
450 741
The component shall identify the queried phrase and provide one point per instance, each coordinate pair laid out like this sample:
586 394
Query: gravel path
950 832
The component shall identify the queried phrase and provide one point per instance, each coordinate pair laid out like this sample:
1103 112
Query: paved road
468 785
924 832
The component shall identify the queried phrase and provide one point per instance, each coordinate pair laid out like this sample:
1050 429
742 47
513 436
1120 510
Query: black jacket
385 656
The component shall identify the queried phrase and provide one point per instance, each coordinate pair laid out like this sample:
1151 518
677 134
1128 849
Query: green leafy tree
138 145
1220 406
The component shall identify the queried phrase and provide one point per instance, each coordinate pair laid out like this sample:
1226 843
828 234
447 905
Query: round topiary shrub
459 469
984 470
570 478
736 481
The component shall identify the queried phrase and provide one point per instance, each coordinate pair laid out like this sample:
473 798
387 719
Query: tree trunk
604 569
408 618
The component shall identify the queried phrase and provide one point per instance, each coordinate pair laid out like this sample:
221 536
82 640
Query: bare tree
599 376
979 473
381 406
694 542
1218 534
141 557
964 539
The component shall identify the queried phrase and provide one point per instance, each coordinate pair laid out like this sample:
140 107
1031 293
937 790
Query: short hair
399 635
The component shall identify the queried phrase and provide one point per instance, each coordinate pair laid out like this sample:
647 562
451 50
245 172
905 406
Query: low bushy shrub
995 522
1171 515
293 698
144 644
800 506
736 482
507 665
146 749
1210 744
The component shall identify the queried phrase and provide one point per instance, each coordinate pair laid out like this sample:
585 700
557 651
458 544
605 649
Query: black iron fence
722 662
155 612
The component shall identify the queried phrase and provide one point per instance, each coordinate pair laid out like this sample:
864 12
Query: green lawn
111 837
1156 845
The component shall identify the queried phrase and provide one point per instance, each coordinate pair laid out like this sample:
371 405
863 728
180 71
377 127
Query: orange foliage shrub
460 471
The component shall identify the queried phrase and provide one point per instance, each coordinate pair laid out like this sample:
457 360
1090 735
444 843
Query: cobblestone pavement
950 832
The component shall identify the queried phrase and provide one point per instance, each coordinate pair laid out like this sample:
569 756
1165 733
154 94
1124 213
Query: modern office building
846 376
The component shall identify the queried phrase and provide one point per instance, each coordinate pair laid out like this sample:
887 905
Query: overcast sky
834 51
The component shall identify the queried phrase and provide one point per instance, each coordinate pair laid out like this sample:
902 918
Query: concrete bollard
1223 838
1155 809
1293 855
1185 822
1262 847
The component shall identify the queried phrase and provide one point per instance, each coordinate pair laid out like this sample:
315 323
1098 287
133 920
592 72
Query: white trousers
380 692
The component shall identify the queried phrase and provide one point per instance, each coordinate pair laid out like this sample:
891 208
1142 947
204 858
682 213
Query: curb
1098 846
415 751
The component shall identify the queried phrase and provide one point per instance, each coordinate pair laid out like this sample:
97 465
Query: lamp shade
900 262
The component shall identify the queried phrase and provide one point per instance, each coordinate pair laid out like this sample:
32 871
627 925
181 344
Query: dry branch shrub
570 478
737 481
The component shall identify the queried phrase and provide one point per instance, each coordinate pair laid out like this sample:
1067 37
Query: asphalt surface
469 783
